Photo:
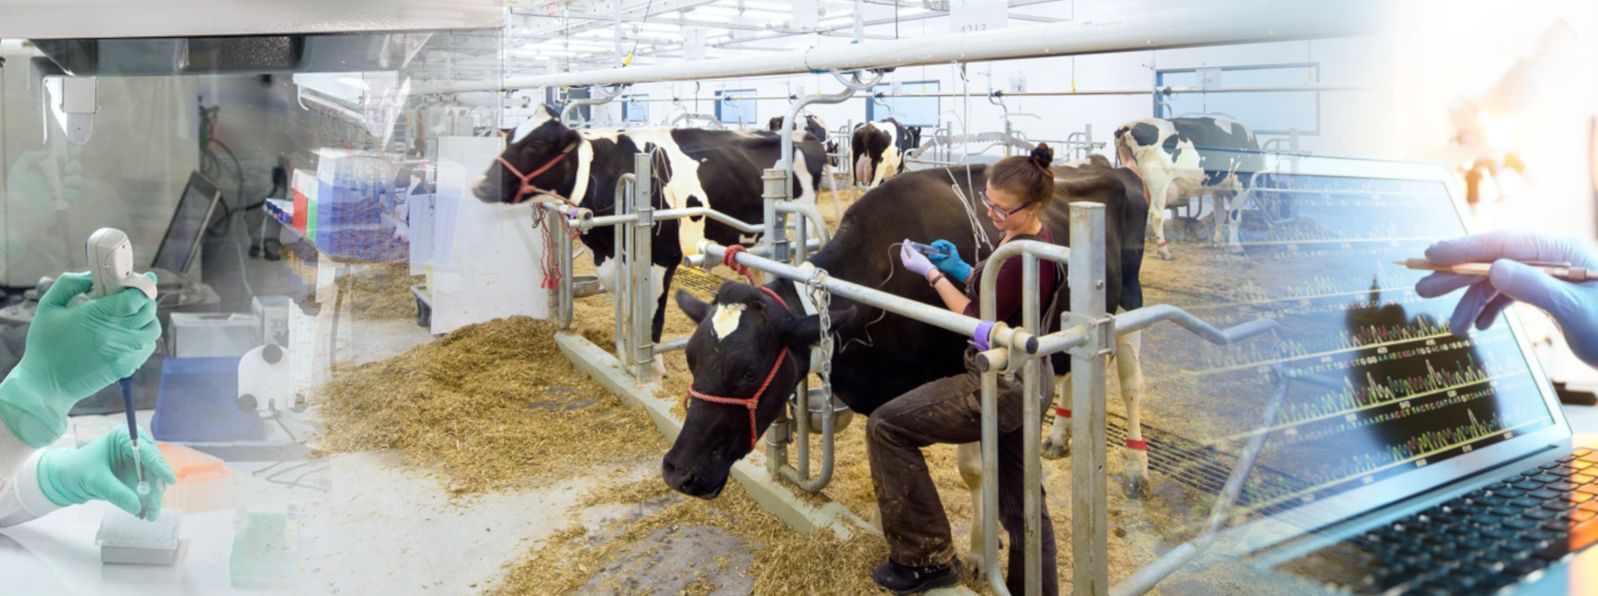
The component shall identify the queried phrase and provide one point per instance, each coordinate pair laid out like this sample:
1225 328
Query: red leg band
1062 412
1137 445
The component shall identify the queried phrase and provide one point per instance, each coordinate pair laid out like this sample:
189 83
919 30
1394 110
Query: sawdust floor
1141 529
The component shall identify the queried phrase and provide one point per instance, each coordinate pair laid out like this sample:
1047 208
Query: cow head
739 341
538 142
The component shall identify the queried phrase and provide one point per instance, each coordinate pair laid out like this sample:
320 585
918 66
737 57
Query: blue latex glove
950 264
914 261
1573 305
72 352
103 470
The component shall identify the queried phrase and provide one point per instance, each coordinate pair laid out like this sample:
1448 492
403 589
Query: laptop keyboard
1480 541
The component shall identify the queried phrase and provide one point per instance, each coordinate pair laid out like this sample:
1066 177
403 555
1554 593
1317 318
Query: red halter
528 188
753 400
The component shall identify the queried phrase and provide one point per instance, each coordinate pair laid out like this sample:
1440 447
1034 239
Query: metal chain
821 298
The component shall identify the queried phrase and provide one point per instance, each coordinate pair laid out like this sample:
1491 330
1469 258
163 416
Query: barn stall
446 372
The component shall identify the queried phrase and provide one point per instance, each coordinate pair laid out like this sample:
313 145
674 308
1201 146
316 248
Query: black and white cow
743 331
1191 157
720 169
878 150
814 125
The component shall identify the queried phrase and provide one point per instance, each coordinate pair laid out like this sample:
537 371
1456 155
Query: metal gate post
1089 504
776 235
563 290
621 300
1031 425
640 259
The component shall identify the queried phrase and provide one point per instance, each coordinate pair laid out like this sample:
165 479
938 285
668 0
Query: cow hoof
1138 487
1165 254
1053 450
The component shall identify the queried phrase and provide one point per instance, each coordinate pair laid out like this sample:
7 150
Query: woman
921 554
73 351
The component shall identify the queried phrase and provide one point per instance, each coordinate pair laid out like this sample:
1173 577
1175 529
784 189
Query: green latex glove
103 470
74 351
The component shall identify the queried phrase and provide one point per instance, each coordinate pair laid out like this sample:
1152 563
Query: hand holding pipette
1495 267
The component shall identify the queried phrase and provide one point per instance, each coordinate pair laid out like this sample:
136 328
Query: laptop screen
1376 386
188 222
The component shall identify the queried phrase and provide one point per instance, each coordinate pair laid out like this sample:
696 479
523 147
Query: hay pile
488 407
381 291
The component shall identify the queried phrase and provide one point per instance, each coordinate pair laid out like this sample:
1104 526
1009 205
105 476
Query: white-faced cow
1191 157
752 343
878 150
693 167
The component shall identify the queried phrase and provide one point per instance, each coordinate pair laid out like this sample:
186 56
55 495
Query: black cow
878 150
814 125
741 333
594 160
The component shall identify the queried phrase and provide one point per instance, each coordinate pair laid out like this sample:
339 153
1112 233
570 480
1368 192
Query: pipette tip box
128 540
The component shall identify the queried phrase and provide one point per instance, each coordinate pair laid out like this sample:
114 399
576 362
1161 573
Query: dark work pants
949 410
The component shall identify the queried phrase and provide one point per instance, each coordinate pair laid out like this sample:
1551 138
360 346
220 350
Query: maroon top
1008 285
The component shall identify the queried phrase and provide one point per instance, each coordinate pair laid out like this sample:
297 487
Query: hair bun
1043 155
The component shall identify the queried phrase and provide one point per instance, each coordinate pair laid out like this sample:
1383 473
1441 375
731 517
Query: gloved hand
950 264
914 261
72 352
1573 305
103 470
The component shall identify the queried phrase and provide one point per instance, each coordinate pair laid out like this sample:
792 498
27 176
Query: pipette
1558 270
111 270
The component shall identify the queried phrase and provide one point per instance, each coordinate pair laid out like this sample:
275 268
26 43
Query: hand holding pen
1508 278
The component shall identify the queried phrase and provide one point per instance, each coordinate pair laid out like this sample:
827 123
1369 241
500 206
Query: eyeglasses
1000 213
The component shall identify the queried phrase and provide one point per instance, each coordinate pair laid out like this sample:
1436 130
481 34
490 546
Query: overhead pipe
1186 26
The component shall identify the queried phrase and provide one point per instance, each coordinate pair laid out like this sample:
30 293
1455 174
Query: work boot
903 579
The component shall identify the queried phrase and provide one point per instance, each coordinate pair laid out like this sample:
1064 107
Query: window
1266 112
732 110
909 111
635 110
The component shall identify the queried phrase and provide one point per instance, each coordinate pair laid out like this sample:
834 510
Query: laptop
1423 462
179 247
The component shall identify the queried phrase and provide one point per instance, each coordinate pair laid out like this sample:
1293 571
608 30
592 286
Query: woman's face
1005 211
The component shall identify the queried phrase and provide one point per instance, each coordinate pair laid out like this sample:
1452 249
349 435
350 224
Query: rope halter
527 188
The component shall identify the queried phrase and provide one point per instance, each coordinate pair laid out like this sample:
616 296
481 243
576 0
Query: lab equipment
128 540
913 260
204 482
111 269
949 261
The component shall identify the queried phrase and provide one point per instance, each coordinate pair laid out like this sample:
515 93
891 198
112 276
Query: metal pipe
729 220
622 202
992 364
1002 335
1143 318
566 112
639 261
1176 27
699 259
564 291
773 222
1031 429
1090 537
671 345
775 189
811 214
